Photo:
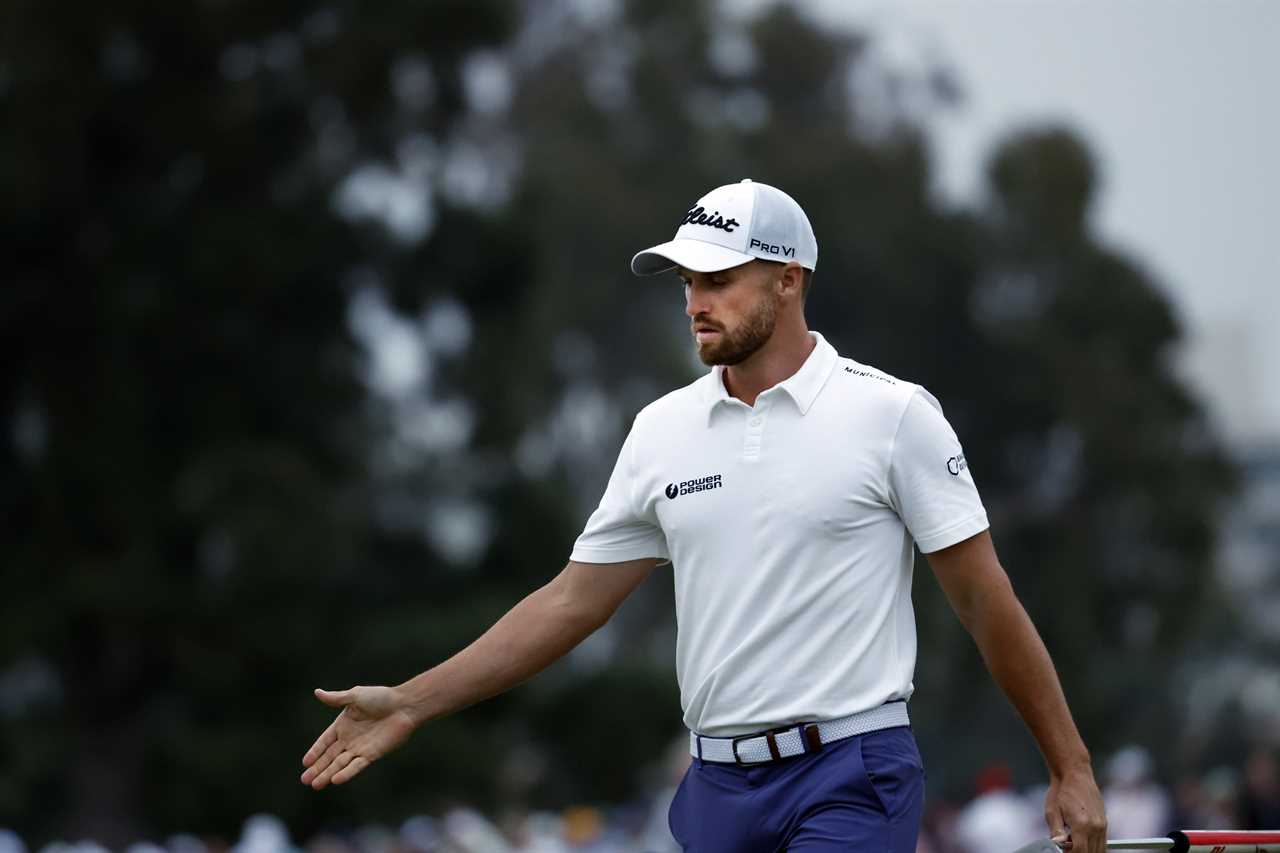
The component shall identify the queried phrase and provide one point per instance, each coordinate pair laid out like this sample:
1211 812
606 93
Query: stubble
735 346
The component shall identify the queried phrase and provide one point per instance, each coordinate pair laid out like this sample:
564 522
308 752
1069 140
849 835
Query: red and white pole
1225 841
1183 841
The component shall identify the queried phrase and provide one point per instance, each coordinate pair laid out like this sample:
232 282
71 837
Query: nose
695 301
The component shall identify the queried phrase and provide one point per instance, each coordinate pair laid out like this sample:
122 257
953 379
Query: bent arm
538 631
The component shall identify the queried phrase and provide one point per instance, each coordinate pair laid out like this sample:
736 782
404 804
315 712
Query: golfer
787 487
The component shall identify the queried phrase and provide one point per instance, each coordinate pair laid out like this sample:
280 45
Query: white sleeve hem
948 536
583 554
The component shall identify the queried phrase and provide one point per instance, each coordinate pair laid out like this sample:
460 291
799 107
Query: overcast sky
1180 103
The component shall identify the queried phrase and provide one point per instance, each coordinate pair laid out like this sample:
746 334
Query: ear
791 280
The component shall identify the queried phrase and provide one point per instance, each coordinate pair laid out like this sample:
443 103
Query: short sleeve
930 484
617 530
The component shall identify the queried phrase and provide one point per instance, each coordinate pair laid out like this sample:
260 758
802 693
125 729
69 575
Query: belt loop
698 740
773 745
812 738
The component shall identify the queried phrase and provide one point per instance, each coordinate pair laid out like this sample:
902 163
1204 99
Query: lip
703 334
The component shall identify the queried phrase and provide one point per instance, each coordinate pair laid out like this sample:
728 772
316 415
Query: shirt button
755 422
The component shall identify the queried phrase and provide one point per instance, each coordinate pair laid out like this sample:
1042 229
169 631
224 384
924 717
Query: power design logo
698 484
956 464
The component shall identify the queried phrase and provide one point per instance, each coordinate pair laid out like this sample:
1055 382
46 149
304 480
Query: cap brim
695 255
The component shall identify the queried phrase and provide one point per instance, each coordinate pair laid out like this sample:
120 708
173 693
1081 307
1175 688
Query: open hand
372 723
1075 814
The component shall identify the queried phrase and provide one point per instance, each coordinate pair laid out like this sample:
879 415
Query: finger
323 762
1090 833
350 770
1094 828
336 698
322 743
343 759
1057 827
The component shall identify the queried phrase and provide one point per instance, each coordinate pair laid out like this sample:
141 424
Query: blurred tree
184 521
319 341
1098 466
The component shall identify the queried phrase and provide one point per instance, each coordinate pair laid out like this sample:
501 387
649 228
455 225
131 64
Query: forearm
1020 664
981 595
535 633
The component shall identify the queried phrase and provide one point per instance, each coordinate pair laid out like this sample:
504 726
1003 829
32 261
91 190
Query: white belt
796 739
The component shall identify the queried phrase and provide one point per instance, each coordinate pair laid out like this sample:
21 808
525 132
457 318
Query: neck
780 357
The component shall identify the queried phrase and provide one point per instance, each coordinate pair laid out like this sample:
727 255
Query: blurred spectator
1221 786
1260 803
184 843
656 836
327 842
420 834
1190 809
1136 806
468 831
938 829
375 838
264 833
82 846
541 832
10 842
583 827
998 818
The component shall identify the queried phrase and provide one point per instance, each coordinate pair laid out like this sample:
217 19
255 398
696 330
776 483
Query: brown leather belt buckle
768 736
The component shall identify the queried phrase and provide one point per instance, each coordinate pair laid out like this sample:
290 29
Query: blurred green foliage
205 511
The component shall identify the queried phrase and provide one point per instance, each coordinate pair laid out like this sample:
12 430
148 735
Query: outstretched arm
980 593
535 633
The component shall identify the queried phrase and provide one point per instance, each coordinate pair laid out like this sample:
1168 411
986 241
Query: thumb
336 698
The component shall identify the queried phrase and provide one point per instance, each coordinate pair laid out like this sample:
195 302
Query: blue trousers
863 794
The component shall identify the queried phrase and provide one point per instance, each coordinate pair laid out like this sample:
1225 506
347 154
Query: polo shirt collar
802 386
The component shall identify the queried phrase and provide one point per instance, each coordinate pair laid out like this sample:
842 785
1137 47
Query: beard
733 346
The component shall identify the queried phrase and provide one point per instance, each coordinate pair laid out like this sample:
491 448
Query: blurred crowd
998 819
1003 818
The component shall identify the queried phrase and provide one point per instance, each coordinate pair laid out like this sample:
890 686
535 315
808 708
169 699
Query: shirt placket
753 435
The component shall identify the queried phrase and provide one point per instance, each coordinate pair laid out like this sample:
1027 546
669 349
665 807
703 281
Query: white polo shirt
789 526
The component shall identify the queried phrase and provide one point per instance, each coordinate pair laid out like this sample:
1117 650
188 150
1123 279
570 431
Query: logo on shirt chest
697 484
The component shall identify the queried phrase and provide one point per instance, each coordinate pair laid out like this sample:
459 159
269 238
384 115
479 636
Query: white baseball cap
731 225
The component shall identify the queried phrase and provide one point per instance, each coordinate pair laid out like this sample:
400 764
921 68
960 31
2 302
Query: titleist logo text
699 216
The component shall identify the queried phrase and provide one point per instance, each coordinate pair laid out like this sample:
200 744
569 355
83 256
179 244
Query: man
786 487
